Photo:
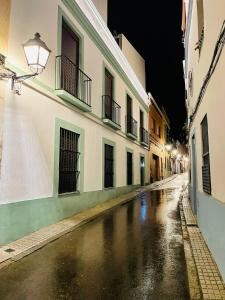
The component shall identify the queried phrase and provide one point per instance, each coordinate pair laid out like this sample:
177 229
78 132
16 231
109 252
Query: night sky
154 29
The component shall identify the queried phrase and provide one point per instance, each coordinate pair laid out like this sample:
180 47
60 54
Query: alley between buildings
133 252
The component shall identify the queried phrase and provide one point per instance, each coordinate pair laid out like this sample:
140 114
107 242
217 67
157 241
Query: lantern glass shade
36 53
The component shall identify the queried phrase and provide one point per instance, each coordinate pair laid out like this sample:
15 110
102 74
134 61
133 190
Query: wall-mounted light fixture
37 54
168 147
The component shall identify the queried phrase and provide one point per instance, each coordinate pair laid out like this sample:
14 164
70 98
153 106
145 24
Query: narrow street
133 252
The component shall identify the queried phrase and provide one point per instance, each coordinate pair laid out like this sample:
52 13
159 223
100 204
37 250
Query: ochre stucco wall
4 25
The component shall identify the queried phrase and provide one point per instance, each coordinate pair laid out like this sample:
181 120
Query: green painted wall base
24 217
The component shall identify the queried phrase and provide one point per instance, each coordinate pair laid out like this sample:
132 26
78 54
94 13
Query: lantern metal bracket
6 73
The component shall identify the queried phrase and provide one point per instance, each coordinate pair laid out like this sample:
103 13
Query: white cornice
92 14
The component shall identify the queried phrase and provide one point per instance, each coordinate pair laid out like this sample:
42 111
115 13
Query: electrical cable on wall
216 56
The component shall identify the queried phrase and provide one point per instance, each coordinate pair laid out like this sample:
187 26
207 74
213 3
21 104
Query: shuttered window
206 177
68 161
109 166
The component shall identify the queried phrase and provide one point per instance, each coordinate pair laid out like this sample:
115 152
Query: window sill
73 100
77 193
108 188
130 135
111 123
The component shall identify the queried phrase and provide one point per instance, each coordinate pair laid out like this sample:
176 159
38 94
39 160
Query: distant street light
168 147
174 152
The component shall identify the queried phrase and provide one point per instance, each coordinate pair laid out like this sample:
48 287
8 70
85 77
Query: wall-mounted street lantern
168 147
37 54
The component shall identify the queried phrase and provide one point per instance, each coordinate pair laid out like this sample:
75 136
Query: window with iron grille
109 166
206 177
68 161
129 168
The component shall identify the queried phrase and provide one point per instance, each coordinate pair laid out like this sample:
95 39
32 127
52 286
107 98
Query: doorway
70 60
155 167
142 170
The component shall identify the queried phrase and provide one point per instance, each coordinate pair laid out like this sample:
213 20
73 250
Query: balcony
206 179
111 112
131 127
72 84
144 137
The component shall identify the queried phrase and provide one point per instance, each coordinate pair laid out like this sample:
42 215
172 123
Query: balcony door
70 60
109 95
129 106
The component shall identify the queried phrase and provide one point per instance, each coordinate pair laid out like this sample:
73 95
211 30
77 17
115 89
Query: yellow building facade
159 158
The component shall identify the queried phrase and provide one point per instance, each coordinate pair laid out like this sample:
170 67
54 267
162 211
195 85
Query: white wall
102 7
28 121
213 101
134 58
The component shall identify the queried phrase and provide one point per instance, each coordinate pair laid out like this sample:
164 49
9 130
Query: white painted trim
100 26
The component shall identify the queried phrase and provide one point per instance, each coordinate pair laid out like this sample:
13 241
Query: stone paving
189 216
211 283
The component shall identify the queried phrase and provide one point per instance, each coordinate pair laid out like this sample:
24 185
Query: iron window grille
111 109
129 168
68 162
206 176
72 79
131 125
109 166
144 136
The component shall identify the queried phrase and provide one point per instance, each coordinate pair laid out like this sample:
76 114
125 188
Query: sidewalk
205 281
28 244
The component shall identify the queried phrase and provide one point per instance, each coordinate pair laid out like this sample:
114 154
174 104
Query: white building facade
72 139
204 76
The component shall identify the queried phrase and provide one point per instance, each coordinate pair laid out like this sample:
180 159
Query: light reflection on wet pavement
133 252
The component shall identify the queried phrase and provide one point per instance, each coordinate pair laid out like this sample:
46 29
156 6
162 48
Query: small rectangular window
129 168
206 177
153 126
68 161
109 166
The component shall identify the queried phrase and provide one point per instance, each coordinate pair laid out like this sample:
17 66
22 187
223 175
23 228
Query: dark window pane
206 177
129 168
108 84
68 161
109 166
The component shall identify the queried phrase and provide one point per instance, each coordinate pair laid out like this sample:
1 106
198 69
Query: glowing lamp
36 53
168 147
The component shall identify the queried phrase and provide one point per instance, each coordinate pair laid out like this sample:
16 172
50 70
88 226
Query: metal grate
111 110
144 136
206 179
68 161
72 79
109 166
131 125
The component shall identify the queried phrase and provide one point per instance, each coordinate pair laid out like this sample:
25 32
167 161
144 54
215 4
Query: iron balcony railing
144 136
111 109
206 179
131 125
72 79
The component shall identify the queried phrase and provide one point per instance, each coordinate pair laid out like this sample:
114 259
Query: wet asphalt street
133 252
